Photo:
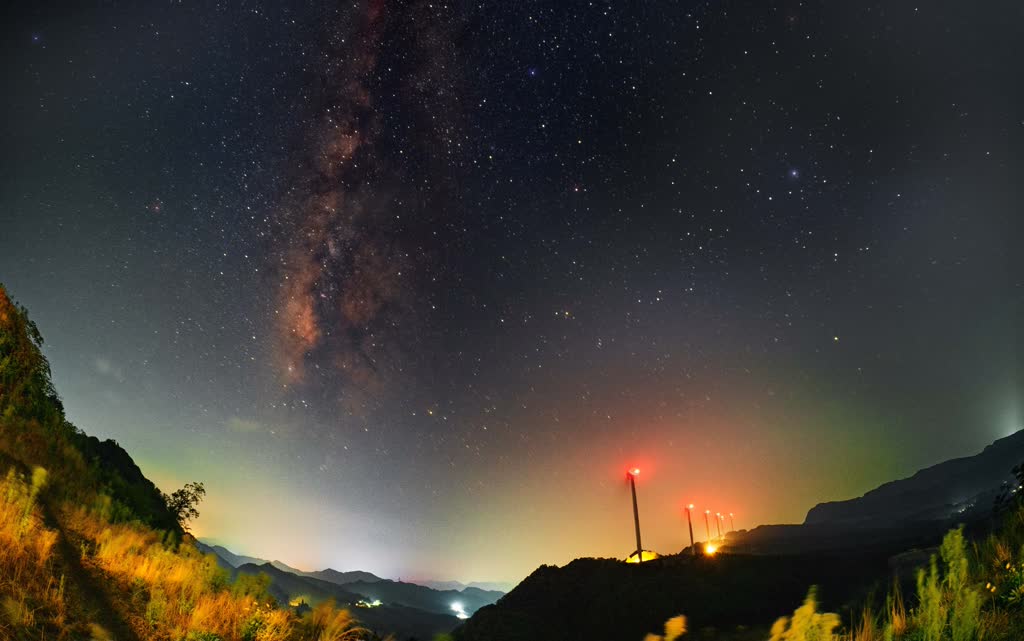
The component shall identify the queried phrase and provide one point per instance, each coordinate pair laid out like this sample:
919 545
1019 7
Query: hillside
943 492
610 600
89 548
394 616
900 514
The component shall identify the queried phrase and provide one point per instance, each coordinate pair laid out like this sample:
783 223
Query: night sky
410 285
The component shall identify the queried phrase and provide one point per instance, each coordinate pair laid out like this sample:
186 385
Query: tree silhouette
183 503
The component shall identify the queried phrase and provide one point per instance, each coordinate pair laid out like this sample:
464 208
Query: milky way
354 265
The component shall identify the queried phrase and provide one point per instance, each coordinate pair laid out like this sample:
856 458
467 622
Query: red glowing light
635 471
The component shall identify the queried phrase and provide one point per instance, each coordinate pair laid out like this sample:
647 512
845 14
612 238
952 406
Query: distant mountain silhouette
287 568
488 586
364 585
395 618
341 578
909 512
937 493
230 558
286 587
418 596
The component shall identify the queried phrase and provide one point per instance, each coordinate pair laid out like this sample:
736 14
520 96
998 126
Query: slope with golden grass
79 556
30 592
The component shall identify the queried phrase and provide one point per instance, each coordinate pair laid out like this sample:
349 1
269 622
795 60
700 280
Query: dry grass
866 629
167 592
28 588
181 591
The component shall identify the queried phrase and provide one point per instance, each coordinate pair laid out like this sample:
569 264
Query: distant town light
459 610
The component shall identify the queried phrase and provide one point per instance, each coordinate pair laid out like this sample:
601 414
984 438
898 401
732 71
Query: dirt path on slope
85 589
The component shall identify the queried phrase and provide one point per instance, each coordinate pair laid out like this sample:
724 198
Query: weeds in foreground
674 628
948 604
898 620
806 624
867 628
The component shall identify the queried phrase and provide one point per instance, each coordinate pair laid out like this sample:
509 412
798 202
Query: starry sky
409 285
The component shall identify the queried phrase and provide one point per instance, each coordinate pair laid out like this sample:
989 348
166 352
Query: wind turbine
632 474
689 524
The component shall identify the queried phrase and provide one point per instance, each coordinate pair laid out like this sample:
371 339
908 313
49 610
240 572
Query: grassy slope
87 546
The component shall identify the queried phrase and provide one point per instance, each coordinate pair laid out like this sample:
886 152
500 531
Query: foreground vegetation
90 549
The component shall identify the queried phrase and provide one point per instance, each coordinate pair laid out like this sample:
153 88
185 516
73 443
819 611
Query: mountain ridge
232 560
459 586
400 619
288 583
936 492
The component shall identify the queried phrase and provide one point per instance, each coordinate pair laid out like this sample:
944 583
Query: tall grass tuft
806 624
327 623
949 600
674 628
867 628
949 606
897 618
26 548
